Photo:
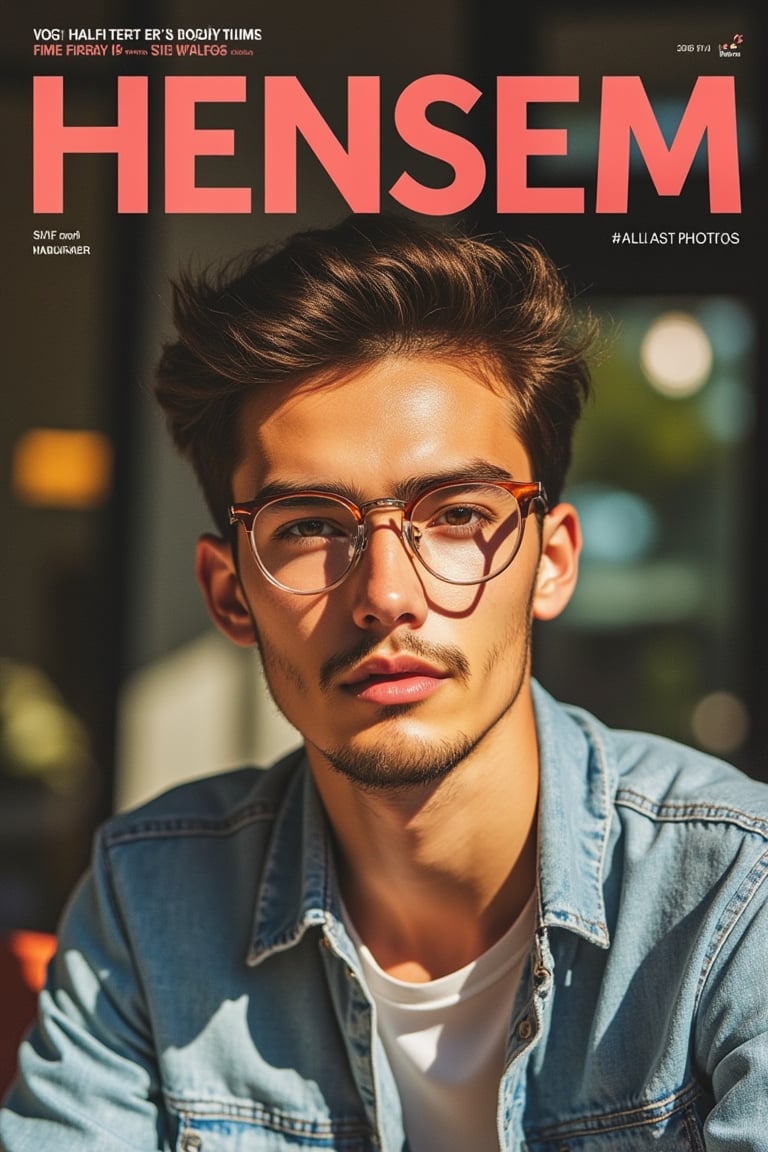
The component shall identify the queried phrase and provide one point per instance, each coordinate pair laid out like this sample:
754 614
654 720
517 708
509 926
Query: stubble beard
397 762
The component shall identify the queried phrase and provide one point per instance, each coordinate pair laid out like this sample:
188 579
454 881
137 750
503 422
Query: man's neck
433 875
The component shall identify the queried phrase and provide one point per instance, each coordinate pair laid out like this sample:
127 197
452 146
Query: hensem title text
626 112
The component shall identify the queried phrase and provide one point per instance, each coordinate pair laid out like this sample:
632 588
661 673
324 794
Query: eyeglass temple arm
532 496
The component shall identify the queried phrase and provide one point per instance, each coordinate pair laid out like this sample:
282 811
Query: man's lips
399 680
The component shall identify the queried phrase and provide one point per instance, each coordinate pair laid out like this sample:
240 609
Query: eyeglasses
462 532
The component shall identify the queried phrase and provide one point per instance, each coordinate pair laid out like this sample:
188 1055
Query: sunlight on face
394 675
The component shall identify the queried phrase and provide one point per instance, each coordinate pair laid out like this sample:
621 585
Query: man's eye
459 516
311 528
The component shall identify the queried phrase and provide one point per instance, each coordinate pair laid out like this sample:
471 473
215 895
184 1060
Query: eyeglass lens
464 534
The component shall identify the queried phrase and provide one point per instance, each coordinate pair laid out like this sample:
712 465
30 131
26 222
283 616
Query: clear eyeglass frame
528 495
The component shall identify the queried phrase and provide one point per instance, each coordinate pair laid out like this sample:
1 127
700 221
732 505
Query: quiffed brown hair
328 301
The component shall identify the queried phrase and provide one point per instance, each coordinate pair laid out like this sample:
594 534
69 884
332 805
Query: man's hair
330 301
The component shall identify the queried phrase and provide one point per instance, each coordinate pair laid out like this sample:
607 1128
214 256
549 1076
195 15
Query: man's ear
559 562
223 593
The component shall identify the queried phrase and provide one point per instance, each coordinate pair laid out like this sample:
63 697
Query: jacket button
542 976
524 1029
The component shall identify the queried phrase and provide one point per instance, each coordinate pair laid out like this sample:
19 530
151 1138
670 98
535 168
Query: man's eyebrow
294 488
472 470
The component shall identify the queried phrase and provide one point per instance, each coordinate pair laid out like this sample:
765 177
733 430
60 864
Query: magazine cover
142 140
146 143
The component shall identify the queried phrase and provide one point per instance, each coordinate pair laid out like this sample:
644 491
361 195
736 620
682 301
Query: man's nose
386 586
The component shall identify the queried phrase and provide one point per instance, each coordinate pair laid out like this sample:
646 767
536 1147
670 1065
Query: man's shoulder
220 804
656 772
671 781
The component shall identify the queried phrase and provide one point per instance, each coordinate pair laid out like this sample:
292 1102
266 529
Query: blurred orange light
62 468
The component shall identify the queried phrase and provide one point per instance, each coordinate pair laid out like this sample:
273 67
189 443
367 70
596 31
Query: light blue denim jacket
207 998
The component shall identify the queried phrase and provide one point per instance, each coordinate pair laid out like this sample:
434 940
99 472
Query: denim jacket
206 997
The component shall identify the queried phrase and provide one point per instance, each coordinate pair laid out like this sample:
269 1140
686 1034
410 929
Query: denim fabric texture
206 997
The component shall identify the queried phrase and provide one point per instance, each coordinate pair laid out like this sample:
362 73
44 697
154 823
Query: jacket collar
578 779
298 883
578 784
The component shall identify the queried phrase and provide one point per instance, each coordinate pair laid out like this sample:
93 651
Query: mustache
446 656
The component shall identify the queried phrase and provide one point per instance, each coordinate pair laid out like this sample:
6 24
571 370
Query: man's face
394 676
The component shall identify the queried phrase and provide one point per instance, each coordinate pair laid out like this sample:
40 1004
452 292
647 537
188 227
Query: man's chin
397 762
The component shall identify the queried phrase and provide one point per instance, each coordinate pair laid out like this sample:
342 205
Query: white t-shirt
446 1040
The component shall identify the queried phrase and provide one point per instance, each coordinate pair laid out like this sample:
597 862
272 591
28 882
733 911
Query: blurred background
113 684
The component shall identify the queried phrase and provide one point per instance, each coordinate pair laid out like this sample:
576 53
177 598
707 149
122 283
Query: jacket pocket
669 1126
256 1128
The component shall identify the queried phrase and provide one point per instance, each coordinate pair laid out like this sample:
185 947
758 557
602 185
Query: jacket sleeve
732 1021
88 1079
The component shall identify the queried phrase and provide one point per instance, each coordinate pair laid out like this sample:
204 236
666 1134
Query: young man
463 917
